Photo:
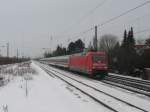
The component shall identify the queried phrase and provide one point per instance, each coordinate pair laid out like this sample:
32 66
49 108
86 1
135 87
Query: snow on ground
43 93
130 97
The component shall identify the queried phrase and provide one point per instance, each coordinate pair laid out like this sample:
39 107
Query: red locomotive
91 63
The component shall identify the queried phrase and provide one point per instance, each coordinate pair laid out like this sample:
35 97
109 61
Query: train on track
92 63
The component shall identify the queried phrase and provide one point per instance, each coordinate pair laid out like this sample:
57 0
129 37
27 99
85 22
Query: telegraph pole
51 41
7 49
17 54
95 39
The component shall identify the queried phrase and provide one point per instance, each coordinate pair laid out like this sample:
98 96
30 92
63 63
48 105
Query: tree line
73 47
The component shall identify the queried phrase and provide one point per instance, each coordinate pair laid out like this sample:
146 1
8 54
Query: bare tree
94 43
140 41
107 42
90 47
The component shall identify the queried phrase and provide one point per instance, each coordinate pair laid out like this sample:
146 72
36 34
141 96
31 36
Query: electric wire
112 19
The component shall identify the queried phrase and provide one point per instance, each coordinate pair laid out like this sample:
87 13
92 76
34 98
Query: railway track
94 93
135 85
138 86
145 82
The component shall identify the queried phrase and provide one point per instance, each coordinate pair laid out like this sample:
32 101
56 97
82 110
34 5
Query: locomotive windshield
97 58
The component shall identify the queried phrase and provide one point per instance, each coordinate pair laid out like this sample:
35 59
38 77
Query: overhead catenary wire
139 18
124 13
112 19
143 31
87 15
131 21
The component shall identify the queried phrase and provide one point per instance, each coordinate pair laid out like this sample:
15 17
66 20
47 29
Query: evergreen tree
46 55
71 47
64 51
59 51
75 47
79 45
127 54
124 43
128 38
131 38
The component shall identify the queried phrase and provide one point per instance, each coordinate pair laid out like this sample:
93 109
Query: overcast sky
31 25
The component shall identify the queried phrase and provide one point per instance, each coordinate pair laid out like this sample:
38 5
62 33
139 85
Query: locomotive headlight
95 65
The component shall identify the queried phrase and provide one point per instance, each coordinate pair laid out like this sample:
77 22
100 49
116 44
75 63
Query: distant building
141 48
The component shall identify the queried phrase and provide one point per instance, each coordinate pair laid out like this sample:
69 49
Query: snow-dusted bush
18 70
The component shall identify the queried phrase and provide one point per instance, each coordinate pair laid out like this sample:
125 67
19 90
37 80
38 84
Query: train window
98 58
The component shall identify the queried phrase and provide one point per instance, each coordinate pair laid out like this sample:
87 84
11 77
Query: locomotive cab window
97 58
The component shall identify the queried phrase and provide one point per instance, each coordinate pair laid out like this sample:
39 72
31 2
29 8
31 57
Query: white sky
29 24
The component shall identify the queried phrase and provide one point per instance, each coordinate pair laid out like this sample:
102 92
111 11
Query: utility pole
7 49
51 42
26 88
95 39
17 54
1 50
